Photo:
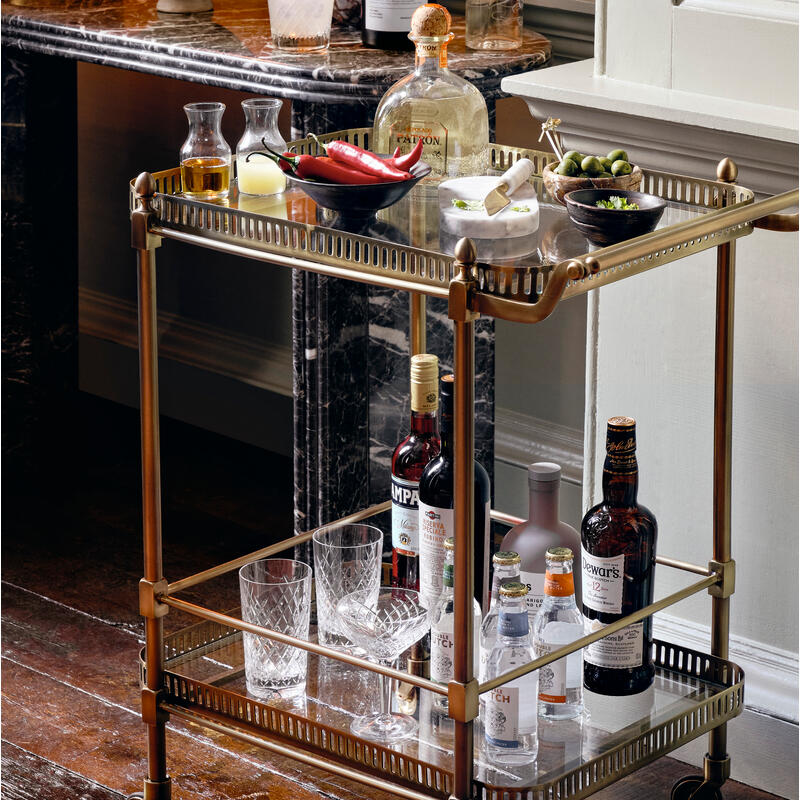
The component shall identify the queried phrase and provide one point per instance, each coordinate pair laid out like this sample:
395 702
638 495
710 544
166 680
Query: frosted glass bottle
543 529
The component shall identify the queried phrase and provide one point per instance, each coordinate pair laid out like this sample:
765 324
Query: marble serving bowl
559 185
360 200
609 225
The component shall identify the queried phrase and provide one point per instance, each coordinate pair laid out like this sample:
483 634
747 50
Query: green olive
584 175
617 155
592 165
567 167
605 174
621 167
573 155
606 162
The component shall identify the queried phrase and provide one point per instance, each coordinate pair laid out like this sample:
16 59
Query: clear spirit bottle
447 112
558 623
510 723
443 626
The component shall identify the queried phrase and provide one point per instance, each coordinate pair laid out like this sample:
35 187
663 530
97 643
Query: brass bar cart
699 692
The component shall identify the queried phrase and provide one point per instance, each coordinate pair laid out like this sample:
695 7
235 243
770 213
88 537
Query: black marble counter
230 47
350 341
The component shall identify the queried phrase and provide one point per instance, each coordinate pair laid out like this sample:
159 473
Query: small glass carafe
256 173
205 155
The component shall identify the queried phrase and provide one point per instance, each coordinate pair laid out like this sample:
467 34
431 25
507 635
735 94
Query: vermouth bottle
618 541
432 104
510 710
436 517
443 626
409 459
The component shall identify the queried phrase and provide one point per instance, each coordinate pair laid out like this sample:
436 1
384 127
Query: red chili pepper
353 156
322 169
396 152
409 159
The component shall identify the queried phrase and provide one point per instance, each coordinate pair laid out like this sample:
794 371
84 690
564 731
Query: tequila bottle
510 723
447 112
558 623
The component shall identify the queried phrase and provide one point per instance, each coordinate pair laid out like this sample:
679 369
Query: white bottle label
535 597
435 525
621 650
502 717
393 16
553 676
603 582
441 656
405 516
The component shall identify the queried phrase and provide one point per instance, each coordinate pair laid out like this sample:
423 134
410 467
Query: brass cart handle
784 223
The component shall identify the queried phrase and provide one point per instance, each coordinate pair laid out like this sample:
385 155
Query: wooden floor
71 558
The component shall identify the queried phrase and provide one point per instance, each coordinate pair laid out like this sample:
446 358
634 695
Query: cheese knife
499 197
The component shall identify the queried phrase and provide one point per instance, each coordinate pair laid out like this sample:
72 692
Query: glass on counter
300 26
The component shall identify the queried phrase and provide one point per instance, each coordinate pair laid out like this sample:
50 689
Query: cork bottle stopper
430 20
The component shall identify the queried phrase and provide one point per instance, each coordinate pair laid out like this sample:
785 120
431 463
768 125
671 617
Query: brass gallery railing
698 692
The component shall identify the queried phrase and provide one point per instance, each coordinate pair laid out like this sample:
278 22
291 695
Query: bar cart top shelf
402 247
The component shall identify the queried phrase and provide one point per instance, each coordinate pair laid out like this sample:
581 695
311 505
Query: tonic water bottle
443 626
558 623
510 723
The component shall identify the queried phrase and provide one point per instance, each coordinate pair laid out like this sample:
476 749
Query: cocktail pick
549 129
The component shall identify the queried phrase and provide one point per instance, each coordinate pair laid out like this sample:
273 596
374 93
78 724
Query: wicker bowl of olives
579 171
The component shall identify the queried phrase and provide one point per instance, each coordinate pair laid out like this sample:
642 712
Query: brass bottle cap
559 554
449 543
513 589
621 423
505 557
430 19
424 383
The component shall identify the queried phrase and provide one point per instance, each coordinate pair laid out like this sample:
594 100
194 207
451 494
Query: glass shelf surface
337 692
415 221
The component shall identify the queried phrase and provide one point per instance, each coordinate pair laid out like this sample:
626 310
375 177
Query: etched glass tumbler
346 560
276 594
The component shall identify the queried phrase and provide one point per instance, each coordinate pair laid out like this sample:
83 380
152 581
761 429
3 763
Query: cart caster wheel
694 788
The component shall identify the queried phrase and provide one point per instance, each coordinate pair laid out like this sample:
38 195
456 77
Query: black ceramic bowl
360 200
609 225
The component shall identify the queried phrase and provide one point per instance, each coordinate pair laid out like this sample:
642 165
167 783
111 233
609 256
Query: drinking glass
346 559
276 594
385 627
300 25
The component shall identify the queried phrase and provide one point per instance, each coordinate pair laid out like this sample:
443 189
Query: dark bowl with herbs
608 216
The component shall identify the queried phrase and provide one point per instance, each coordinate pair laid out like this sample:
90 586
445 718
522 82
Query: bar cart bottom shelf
692 694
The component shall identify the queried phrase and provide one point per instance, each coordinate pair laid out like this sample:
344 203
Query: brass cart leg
717 763
157 784
417 304
463 695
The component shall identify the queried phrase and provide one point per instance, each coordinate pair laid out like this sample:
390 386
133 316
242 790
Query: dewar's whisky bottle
618 556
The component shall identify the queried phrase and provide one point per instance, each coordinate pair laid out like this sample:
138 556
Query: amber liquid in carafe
206 177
